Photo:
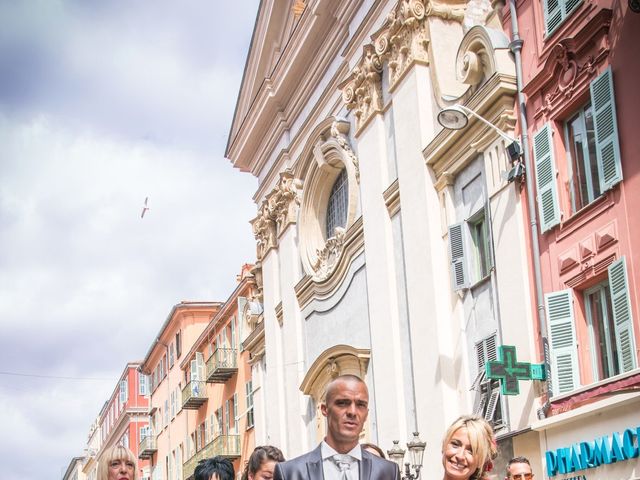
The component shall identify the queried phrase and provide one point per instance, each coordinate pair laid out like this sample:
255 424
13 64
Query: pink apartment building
166 442
580 70
123 419
217 393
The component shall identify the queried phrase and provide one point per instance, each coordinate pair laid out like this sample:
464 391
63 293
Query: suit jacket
309 467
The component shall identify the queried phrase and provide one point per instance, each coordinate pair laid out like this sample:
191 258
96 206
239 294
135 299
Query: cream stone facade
359 189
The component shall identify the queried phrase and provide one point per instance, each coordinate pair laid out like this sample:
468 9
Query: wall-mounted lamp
416 452
456 117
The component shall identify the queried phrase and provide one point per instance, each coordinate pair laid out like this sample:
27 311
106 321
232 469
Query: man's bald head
331 387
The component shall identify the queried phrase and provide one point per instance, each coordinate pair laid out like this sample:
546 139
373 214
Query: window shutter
483 402
547 190
200 365
606 126
562 336
552 14
493 403
570 6
456 252
622 315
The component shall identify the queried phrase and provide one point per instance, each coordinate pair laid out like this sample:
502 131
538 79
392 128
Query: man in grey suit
339 456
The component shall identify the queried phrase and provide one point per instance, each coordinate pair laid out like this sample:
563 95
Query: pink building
217 397
166 442
580 75
123 419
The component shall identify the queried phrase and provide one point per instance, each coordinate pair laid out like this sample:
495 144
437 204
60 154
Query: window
166 413
601 332
610 330
143 384
593 154
479 231
212 427
249 392
145 432
219 429
584 182
173 404
488 398
227 417
555 11
337 205
178 344
124 392
235 413
470 265
171 358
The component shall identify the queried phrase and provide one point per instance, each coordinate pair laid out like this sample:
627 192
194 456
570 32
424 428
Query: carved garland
339 129
277 211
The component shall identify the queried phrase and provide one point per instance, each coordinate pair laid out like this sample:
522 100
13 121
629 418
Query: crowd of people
468 450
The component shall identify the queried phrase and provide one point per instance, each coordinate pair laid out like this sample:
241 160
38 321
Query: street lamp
456 117
416 452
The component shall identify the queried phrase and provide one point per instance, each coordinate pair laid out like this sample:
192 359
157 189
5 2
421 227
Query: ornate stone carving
277 211
362 90
404 38
329 255
339 130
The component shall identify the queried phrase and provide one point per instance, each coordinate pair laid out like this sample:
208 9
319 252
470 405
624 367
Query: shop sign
601 451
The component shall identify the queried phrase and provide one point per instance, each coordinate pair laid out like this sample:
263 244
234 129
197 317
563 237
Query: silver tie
344 464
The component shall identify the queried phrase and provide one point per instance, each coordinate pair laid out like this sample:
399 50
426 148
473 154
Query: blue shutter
552 14
547 190
457 256
570 6
623 320
606 126
562 337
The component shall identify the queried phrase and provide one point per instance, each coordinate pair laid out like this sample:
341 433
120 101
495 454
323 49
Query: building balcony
222 365
147 447
227 446
194 395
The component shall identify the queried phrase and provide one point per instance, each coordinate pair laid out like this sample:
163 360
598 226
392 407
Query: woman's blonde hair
483 444
117 452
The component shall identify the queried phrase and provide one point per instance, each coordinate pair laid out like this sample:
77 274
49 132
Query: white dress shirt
331 470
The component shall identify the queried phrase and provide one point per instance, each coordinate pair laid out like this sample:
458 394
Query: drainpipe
516 48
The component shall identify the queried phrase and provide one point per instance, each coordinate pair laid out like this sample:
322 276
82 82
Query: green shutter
570 6
548 207
457 256
623 320
604 116
562 337
552 14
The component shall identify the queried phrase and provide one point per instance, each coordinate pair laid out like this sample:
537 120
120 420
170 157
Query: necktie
344 464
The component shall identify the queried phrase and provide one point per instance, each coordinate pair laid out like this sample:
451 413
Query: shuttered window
562 338
546 186
555 11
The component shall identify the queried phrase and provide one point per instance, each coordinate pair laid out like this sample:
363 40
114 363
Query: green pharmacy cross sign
509 371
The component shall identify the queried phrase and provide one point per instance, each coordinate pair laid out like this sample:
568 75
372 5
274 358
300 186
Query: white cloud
102 107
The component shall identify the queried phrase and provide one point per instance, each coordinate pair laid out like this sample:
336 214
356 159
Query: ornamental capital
362 90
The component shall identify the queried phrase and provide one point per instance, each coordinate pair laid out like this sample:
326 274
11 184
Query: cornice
351 244
312 48
392 198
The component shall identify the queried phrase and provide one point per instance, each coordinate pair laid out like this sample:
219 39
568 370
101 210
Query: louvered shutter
493 403
457 256
552 14
622 317
606 126
194 371
200 365
547 190
570 6
562 336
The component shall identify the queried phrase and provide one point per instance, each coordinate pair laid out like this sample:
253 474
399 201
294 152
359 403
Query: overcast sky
104 103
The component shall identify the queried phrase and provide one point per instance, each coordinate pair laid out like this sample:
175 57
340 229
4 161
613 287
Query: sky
104 103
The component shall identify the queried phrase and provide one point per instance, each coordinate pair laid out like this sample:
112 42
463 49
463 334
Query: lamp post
456 117
416 452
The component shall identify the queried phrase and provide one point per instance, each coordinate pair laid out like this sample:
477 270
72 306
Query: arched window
338 204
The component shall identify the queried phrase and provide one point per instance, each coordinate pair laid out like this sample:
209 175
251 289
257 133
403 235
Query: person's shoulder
380 462
304 458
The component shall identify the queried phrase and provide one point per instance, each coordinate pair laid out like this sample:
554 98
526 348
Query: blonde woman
468 449
118 463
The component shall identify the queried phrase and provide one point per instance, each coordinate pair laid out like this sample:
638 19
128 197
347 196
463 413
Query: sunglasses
522 476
